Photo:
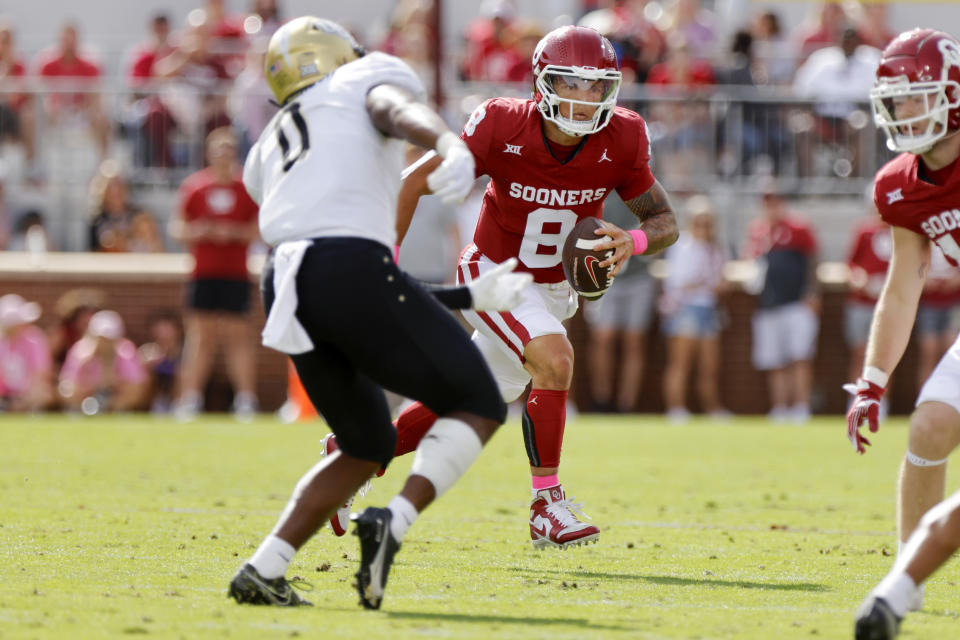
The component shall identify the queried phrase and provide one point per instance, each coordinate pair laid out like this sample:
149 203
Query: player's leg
934 434
356 410
353 405
445 371
929 547
530 341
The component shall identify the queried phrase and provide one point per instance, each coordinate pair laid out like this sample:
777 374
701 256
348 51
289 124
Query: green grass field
131 526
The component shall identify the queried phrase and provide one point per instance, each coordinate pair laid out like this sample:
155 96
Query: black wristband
451 297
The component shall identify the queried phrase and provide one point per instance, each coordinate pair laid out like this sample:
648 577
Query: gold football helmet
304 51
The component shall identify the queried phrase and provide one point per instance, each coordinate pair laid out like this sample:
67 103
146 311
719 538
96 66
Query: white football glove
453 179
499 289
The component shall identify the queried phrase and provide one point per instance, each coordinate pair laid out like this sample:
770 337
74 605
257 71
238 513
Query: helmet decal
916 96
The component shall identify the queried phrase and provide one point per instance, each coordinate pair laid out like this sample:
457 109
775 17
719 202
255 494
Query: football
581 262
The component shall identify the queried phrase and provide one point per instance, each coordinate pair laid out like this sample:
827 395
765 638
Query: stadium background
136 284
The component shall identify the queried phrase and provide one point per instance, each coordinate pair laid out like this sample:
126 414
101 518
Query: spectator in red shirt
489 47
194 66
686 121
147 53
827 32
16 121
867 266
148 117
217 220
786 321
68 68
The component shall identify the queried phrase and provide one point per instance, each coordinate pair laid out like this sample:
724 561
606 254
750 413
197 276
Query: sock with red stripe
543 420
412 423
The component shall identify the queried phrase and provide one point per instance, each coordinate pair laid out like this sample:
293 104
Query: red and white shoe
554 522
341 518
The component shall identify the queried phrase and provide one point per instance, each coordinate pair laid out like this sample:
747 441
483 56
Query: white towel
283 331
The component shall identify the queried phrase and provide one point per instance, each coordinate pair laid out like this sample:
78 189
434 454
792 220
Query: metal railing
728 138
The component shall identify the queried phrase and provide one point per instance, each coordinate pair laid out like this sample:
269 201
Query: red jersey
61 68
869 259
930 210
202 198
534 200
788 234
11 76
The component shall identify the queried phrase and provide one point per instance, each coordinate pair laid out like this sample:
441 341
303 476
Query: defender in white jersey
326 173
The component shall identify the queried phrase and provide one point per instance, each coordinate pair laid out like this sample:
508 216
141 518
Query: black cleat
249 587
377 548
876 620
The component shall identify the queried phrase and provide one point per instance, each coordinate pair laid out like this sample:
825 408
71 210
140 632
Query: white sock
898 590
404 515
272 557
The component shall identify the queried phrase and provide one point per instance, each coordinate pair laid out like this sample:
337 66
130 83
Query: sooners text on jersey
533 200
933 211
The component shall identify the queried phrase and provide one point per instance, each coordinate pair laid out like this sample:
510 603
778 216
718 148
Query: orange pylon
298 396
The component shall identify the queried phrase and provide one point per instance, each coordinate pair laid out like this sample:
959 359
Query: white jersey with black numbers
321 168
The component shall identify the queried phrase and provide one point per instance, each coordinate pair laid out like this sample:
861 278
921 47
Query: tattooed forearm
661 232
657 218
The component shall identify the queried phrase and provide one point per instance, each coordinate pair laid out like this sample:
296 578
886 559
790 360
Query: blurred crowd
187 84
76 357
152 111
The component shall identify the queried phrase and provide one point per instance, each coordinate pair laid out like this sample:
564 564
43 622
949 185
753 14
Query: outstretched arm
897 306
889 332
414 185
395 112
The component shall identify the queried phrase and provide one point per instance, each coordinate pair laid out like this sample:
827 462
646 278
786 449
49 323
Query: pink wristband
396 253
640 242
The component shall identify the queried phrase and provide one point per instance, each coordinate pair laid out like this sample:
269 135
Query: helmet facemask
918 133
560 111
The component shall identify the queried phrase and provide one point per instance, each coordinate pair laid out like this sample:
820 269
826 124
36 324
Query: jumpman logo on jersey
513 148
533 400
894 196
604 157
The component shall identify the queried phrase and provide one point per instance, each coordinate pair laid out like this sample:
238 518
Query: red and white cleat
554 522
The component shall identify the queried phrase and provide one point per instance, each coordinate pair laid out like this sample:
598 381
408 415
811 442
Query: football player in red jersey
552 160
916 101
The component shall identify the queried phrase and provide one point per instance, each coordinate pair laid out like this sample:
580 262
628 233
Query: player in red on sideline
552 160
916 101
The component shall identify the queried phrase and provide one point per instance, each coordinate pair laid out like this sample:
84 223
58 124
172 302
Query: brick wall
138 285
